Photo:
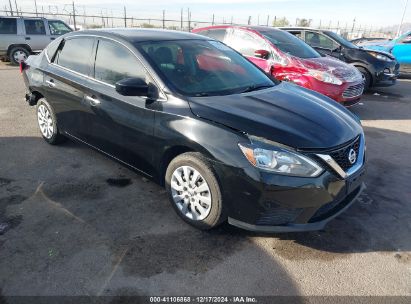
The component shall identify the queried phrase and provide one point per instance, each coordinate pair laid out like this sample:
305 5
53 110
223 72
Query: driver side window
114 62
321 41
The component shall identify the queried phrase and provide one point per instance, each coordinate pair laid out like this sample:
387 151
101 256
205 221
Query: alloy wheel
45 121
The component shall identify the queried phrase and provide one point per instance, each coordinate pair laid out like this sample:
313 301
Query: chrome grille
341 155
354 91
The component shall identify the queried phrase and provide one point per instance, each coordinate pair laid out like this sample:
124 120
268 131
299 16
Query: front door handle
50 83
93 100
27 38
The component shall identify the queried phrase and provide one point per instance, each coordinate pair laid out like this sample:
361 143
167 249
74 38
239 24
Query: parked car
399 47
226 140
290 59
22 36
378 68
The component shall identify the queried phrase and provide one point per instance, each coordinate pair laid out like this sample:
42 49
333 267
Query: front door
121 126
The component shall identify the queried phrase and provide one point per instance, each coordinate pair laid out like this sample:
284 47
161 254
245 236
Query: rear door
66 81
122 126
247 43
36 34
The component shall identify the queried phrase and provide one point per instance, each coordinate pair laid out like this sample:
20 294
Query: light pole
402 19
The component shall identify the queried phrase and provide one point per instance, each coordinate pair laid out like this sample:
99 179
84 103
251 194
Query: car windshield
203 67
290 44
341 40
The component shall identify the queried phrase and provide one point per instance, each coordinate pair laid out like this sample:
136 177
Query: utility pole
402 19
212 23
164 16
181 19
268 19
17 10
189 19
74 17
35 4
353 25
125 16
249 20
11 8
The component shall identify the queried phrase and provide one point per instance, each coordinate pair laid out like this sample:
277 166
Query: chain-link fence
77 17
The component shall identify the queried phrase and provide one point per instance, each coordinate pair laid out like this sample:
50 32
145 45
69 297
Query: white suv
22 36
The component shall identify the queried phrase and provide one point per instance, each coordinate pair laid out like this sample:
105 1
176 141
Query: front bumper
267 202
298 227
386 74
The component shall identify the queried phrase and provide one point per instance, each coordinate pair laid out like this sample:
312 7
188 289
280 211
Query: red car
288 58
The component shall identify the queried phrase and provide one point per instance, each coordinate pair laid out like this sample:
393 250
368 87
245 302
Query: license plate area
354 181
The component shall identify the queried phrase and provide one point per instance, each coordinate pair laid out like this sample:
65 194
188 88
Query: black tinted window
290 44
8 26
75 54
114 62
34 27
318 40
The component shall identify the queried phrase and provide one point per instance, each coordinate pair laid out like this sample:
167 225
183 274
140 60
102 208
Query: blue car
400 48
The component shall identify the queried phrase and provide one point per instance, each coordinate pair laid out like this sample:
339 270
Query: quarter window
8 26
34 27
114 62
75 53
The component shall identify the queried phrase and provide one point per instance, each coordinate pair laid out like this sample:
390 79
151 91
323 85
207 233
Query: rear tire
47 122
194 191
18 54
367 78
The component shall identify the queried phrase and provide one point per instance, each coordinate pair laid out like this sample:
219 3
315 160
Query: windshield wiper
256 88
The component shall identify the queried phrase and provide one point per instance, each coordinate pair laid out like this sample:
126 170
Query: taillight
23 66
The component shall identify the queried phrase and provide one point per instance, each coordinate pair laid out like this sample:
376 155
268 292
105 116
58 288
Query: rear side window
217 34
8 26
34 27
75 54
114 62
318 40
58 28
246 43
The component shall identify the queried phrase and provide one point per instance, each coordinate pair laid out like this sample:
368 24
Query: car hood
286 114
341 70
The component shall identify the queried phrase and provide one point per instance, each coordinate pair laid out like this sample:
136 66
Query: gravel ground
73 222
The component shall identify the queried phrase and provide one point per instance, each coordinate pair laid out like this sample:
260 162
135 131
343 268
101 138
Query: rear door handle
27 38
52 38
50 83
93 100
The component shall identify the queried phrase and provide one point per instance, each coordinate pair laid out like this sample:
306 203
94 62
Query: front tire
18 54
367 78
194 191
47 122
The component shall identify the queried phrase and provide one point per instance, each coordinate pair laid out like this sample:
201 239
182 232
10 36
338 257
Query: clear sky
376 13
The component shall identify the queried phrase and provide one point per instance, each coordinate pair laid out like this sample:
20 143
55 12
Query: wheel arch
11 46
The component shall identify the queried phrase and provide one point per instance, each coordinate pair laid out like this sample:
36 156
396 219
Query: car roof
248 27
139 35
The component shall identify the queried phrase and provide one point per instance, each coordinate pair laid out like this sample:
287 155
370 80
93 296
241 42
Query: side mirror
263 54
132 87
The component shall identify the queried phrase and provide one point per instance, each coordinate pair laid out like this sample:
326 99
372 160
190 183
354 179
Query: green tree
304 22
281 22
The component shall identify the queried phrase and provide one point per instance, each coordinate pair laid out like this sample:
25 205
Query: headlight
380 56
324 77
281 161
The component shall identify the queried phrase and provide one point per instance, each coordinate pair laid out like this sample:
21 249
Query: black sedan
379 69
226 140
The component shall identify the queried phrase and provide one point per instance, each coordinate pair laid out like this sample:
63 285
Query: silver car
22 36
